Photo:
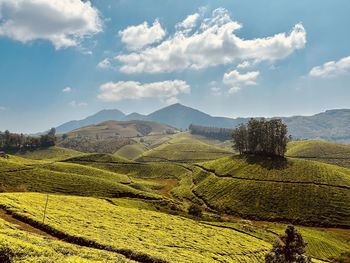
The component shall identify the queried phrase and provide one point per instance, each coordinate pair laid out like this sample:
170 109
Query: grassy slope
44 176
173 238
184 148
28 247
301 191
131 151
328 152
52 153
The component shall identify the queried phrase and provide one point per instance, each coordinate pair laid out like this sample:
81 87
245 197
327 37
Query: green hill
131 151
293 190
323 151
52 153
19 174
184 148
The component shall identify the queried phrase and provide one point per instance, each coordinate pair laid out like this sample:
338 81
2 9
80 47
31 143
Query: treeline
221 134
14 142
264 137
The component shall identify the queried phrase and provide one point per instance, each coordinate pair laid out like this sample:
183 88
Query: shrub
195 210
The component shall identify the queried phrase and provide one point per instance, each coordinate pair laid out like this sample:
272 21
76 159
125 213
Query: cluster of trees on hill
221 134
264 137
14 142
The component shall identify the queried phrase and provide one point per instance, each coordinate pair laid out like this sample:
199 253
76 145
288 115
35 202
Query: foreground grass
298 191
172 238
27 247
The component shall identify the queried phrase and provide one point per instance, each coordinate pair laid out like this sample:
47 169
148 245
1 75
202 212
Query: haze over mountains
329 125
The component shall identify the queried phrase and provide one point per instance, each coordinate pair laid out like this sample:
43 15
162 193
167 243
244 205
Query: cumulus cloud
76 104
62 22
104 64
67 90
332 68
137 37
237 80
189 23
166 91
214 43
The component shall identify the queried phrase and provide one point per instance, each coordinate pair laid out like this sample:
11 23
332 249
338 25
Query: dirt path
23 226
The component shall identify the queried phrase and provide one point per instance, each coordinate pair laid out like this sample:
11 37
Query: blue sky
66 59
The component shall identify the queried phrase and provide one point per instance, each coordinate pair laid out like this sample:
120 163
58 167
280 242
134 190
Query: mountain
125 129
101 116
329 125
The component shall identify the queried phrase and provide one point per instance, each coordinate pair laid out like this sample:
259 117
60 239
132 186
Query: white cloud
332 68
76 104
137 37
166 91
2 108
189 23
62 22
214 43
104 64
67 90
237 80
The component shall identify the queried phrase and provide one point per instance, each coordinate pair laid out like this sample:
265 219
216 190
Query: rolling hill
125 129
299 191
329 125
323 151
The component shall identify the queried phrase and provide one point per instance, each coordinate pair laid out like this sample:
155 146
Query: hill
299 191
323 151
183 148
101 116
329 125
125 129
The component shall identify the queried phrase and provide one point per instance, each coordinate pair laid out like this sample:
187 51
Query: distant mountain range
330 125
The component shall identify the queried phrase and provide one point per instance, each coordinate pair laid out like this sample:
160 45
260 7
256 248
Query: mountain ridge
328 125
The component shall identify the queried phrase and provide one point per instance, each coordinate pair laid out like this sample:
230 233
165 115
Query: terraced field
323 151
158 235
184 148
299 191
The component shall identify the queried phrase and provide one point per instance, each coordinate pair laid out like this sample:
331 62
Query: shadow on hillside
268 162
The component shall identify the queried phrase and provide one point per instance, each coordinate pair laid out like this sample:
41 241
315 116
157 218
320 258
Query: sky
62 60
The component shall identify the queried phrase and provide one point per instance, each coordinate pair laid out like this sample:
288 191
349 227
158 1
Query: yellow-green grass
171 238
99 158
51 153
27 247
184 148
298 191
67 178
131 151
322 243
323 151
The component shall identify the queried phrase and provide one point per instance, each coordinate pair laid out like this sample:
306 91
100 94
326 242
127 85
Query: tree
264 137
289 248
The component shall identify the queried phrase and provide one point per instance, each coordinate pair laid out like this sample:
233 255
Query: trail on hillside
212 171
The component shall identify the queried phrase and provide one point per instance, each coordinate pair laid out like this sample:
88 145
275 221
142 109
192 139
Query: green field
137 210
184 148
323 151
296 190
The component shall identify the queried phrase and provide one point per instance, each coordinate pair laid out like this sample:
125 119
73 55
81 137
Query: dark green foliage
289 248
195 210
6 254
221 134
265 137
15 142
